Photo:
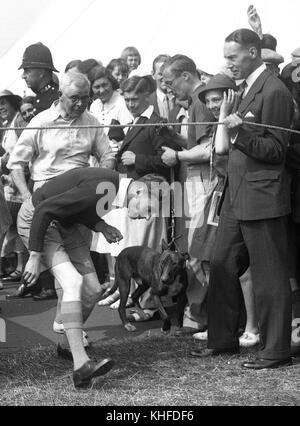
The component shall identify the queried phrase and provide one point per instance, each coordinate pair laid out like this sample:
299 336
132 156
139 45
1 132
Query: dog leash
173 238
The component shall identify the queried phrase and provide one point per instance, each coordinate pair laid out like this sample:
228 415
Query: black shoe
260 364
14 277
83 376
205 353
21 292
64 353
185 331
45 295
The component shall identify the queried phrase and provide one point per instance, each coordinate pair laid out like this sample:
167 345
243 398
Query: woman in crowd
132 58
118 69
108 104
26 108
5 223
10 113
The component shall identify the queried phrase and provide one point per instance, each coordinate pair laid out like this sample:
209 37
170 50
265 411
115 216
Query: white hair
73 77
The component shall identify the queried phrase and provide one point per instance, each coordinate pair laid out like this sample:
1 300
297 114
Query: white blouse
115 109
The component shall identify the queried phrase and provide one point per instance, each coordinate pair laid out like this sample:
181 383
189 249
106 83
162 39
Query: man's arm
198 154
19 179
102 150
22 154
255 21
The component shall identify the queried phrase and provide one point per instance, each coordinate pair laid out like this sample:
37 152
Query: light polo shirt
54 151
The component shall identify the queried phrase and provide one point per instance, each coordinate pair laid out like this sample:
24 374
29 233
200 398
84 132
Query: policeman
38 74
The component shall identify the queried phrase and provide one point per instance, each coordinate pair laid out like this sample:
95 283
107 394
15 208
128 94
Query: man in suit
181 77
252 228
161 99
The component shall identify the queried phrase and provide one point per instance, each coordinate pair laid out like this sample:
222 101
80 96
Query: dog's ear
164 245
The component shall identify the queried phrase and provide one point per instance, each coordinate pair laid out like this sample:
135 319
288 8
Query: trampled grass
154 371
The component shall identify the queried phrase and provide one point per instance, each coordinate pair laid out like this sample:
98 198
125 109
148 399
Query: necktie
171 103
165 111
240 96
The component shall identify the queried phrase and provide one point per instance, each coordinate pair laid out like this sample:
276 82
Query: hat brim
202 93
16 100
39 66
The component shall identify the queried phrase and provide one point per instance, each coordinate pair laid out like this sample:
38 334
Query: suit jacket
259 186
146 143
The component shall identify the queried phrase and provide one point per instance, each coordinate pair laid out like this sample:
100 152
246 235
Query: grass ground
154 371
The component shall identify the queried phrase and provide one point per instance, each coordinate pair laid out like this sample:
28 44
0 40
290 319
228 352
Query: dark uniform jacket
45 97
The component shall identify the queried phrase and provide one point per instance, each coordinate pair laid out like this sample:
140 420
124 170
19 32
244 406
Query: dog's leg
166 327
182 298
135 300
124 288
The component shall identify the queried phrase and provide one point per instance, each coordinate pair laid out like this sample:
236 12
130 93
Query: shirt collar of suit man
250 80
147 113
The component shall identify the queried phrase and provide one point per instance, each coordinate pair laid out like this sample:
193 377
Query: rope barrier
122 126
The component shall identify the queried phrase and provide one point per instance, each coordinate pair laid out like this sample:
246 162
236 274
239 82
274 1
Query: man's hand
111 234
233 121
32 269
254 21
128 158
168 157
26 195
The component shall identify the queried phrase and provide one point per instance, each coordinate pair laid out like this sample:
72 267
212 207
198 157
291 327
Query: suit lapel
256 87
132 133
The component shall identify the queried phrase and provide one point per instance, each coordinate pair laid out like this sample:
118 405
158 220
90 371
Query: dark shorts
72 248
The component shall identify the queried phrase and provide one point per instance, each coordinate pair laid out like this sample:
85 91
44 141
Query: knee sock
71 314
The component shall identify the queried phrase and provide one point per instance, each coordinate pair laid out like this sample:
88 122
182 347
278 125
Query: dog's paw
166 328
130 327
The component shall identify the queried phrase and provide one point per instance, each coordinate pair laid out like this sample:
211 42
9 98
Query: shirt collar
55 112
182 113
254 76
160 95
148 112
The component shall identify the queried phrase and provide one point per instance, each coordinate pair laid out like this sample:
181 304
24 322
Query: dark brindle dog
163 272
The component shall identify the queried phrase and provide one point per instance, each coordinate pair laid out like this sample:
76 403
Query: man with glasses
52 152
181 77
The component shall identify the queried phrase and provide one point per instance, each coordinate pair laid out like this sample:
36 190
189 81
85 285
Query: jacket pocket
262 175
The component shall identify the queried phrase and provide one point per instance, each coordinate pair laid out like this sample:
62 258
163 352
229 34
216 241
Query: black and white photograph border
63 341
